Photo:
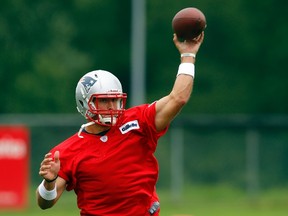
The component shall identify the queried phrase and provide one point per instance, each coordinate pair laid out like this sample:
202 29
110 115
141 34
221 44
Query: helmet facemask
103 115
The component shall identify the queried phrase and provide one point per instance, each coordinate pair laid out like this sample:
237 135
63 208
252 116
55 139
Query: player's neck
96 129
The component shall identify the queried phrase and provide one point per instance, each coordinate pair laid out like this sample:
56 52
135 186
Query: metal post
138 39
177 138
252 157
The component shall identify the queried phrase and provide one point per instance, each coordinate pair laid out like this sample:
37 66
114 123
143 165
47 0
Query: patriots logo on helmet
88 82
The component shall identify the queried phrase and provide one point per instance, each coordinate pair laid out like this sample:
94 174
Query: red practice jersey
114 174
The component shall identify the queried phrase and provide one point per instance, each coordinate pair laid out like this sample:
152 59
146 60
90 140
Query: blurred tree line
46 46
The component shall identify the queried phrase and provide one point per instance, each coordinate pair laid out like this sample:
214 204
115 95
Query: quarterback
110 162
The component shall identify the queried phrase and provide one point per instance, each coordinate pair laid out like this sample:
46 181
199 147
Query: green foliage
48 45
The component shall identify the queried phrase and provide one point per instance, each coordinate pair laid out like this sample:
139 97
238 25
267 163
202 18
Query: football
188 23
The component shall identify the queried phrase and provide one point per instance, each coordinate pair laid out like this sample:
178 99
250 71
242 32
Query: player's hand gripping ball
188 23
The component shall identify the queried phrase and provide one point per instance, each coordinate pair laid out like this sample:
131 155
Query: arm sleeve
148 116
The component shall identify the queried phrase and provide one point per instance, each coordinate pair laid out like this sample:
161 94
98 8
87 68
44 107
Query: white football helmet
95 85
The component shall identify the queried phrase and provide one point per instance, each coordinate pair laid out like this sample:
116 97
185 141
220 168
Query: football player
110 162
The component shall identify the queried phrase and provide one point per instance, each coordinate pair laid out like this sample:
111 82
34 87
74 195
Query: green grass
226 201
196 201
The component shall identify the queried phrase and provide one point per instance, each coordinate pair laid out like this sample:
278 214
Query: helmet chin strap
83 126
107 120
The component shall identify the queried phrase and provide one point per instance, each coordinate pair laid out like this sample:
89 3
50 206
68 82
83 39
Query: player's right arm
52 187
169 106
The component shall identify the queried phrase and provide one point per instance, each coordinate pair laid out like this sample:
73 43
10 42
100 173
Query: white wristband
186 68
188 55
45 194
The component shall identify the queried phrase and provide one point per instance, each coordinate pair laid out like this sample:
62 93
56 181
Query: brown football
188 23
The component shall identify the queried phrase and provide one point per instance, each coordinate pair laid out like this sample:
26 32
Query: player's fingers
48 155
176 39
174 36
200 38
177 42
44 167
56 156
46 161
43 173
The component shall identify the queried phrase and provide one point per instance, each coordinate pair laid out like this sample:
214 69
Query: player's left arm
169 106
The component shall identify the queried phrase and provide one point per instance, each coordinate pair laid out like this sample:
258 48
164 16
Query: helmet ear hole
81 103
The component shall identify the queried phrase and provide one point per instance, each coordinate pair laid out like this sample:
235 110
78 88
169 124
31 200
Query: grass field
196 201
